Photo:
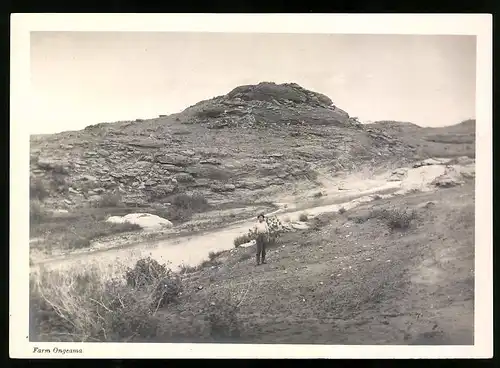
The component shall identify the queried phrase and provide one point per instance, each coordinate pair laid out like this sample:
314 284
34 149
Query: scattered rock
398 175
446 181
183 177
174 159
430 162
464 160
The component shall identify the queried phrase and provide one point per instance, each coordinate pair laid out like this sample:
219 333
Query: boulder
145 220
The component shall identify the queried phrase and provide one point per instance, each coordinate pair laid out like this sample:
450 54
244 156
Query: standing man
262 231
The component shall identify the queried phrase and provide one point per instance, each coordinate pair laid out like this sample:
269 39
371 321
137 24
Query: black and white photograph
252 188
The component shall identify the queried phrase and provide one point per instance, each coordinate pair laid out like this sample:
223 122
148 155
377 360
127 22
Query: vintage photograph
252 188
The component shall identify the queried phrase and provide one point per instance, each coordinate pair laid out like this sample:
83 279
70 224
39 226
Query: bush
83 306
148 272
38 189
222 321
275 230
37 213
303 217
213 255
109 200
396 219
242 239
195 202
185 269
183 206
342 210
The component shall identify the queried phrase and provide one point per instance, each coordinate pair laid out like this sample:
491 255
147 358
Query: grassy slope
345 282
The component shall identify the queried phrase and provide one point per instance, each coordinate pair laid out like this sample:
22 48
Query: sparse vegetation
396 219
109 200
183 206
213 306
213 255
84 307
68 235
320 284
38 189
242 239
37 213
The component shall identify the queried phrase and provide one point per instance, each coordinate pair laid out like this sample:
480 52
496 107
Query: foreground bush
84 307
144 305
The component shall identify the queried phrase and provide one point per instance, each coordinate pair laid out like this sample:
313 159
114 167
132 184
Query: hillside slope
251 143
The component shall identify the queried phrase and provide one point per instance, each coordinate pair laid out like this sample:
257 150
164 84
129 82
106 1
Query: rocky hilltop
249 144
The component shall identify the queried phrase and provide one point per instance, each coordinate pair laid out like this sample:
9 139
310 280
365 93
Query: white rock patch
145 220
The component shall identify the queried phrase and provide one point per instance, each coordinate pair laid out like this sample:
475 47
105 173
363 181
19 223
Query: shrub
396 218
109 200
214 255
222 320
38 189
83 306
148 272
185 269
37 213
303 217
275 230
195 202
342 210
183 206
242 239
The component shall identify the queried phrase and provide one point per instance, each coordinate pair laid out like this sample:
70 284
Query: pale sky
84 78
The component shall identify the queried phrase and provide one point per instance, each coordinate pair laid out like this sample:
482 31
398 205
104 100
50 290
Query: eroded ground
352 280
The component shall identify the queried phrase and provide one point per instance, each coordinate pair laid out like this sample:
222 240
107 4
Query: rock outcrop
241 146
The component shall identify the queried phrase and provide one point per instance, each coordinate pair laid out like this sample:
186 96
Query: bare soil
350 279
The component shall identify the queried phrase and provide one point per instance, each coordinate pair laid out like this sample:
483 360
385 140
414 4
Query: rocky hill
249 144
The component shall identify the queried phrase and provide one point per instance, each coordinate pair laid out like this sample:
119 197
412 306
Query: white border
429 24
